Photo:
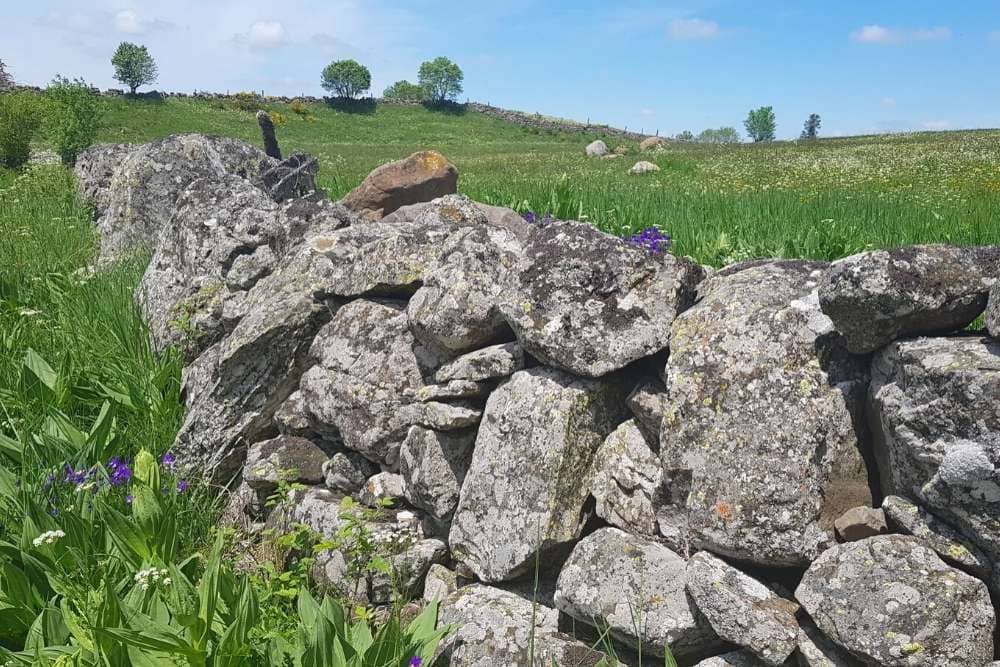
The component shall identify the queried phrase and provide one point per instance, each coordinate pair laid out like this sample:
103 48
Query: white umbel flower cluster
48 537
148 577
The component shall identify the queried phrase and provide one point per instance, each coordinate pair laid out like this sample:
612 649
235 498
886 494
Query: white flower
48 537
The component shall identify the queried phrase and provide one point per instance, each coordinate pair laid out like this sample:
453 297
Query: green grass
819 200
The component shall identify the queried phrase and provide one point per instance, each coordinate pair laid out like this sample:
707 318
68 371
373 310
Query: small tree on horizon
6 80
722 135
810 129
760 124
134 66
404 91
441 78
346 78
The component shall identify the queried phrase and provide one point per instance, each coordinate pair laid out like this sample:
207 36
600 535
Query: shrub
247 101
20 116
723 135
277 119
75 115
299 108
133 66
404 91
346 78
441 79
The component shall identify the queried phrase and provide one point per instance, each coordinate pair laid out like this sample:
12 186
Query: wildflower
416 661
182 486
169 461
651 239
150 577
529 217
129 498
48 537
120 472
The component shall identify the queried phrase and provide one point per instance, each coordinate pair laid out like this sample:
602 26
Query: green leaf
40 369
129 542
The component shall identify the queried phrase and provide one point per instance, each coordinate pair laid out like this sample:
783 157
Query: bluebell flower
651 239
120 472
182 486
169 460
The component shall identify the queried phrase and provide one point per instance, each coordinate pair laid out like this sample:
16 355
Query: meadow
821 200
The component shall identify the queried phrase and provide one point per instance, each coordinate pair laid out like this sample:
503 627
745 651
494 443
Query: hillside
822 200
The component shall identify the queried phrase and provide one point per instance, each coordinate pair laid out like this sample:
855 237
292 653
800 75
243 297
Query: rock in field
590 303
460 210
626 480
283 459
993 311
859 523
753 352
742 610
891 601
937 421
596 149
643 167
419 178
652 143
879 296
615 578
523 492
94 168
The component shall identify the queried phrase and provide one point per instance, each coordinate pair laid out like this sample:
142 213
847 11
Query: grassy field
821 200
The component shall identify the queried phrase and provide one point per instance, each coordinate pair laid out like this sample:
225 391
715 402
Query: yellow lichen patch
432 161
322 243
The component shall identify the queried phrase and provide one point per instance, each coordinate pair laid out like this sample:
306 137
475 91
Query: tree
6 80
346 78
760 124
441 79
404 91
75 115
810 129
685 136
722 135
133 66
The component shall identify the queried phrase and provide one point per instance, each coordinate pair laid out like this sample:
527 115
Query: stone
460 210
455 310
648 402
589 303
742 482
732 659
652 143
408 572
419 178
145 187
879 296
993 311
267 134
283 459
488 363
626 479
741 609
94 168
440 582
433 466
815 650
614 578
858 523
347 472
643 167
453 389
890 600
937 426
523 492
621 150
291 418
381 487
906 517
596 149
293 177
493 627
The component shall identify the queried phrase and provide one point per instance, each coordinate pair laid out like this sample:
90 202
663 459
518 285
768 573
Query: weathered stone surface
652 143
488 363
859 523
460 210
419 178
648 402
440 582
347 472
937 421
732 659
614 578
144 188
267 134
494 627
295 176
626 479
454 389
94 168
891 601
906 517
409 570
283 459
291 418
753 352
993 311
879 296
590 303
382 486
742 610
815 650
643 167
456 309
434 465
523 491
596 149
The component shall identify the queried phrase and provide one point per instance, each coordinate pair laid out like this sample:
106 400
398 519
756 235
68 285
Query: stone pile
778 463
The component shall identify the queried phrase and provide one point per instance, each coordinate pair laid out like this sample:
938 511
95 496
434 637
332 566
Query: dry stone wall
778 463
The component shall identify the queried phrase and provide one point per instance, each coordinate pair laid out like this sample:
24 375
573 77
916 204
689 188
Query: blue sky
865 66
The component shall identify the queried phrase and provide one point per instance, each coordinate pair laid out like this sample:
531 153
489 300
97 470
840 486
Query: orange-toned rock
419 178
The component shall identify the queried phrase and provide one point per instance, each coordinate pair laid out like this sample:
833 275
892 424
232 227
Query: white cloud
936 125
876 34
692 29
647 112
263 35
128 21
888 102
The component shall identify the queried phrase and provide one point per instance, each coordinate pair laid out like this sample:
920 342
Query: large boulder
750 484
434 465
589 303
488 363
612 579
626 479
145 187
993 311
419 178
94 168
526 487
937 424
460 210
596 148
652 143
364 361
643 167
879 296
742 610
891 601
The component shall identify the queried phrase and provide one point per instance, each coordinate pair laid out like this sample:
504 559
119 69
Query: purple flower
416 661
71 476
120 472
651 239
129 498
182 486
529 217
169 460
